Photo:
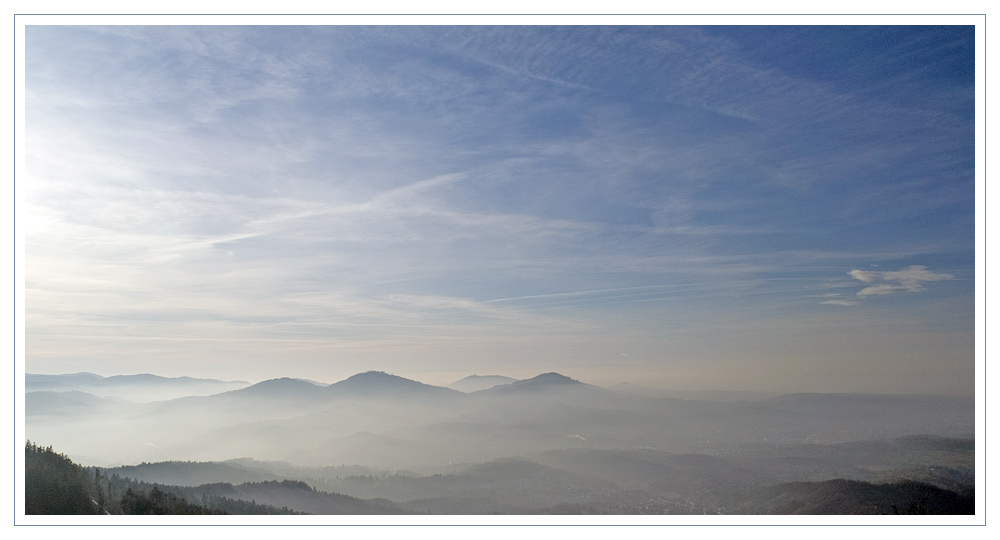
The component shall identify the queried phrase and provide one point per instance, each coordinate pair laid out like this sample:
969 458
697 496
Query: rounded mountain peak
551 378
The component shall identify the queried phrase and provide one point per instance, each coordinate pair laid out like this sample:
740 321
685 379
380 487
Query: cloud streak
909 279
414 187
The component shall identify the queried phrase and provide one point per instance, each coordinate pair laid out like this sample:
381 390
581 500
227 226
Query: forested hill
54 485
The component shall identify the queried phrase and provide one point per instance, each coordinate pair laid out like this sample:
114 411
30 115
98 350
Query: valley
547 444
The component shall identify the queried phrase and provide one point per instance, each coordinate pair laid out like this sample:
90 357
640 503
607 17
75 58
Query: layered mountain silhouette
370 384
382 384
143 387
378 419
70 402
35 381
914 475
542 382
474 383
283 388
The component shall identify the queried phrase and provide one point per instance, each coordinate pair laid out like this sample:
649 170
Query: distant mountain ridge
380 383
548 378
83 376
143 387
540 383
871 477
377 419
69 402
92 379
474 383
372 381
362 385
284 387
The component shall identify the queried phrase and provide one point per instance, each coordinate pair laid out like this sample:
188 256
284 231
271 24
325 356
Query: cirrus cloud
840 302
909 279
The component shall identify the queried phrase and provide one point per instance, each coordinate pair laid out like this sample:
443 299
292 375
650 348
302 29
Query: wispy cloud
909 279
840 302
343 187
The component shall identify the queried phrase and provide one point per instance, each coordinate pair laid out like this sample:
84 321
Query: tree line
54 484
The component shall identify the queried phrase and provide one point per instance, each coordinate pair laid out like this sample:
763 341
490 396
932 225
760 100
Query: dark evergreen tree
53 484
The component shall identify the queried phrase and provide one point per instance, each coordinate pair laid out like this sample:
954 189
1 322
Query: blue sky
736 207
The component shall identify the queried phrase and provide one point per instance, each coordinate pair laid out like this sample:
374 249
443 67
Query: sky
784 208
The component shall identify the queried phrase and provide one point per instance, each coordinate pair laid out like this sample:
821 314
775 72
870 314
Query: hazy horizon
444 381
775 209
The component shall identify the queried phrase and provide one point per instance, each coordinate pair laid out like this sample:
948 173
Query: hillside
383 421
474 383
840 496
55 485
140 388
907 475
379 384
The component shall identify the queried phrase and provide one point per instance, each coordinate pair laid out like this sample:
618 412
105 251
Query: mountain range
545 444
910 475
381 420
142 387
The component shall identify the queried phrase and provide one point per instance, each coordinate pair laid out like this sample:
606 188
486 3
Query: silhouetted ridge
380 383
138 377
44 402
843 496
85 379
283 387
540 382
83 376
474 383
551 378
150 379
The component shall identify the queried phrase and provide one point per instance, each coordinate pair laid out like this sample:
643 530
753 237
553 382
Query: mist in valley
478 268
548 444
